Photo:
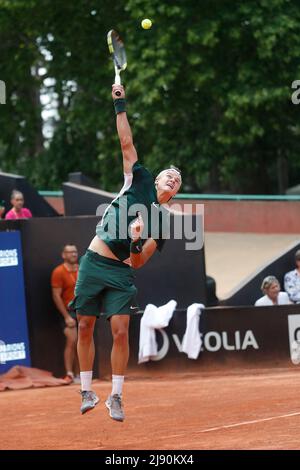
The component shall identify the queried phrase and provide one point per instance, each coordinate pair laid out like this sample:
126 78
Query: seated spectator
292 281
271 288
63 280
18 211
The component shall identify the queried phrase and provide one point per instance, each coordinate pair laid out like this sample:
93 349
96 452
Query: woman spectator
271 288
18 211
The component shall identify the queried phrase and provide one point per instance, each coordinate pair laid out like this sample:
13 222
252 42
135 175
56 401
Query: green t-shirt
139 194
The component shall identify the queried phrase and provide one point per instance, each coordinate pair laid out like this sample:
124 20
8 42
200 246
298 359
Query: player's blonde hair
171 168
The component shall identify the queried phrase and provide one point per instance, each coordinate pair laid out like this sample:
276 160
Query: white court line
245 423
226 426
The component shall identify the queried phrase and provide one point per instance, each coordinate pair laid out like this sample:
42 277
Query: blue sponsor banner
14 344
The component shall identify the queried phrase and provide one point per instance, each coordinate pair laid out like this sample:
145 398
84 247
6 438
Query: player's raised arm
124 131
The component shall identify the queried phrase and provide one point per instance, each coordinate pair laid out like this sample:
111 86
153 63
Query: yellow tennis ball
146 24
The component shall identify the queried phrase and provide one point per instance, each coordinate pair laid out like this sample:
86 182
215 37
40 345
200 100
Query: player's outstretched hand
118 88
136 228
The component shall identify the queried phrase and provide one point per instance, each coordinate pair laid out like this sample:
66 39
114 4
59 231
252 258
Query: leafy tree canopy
208 88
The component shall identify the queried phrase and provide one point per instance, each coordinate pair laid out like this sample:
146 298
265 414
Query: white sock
86 380
117 384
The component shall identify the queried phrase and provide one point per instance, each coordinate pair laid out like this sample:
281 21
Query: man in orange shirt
63 280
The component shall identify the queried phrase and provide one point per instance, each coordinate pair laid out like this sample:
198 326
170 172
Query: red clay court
253 409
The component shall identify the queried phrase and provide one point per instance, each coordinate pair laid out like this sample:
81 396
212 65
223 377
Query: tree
208 86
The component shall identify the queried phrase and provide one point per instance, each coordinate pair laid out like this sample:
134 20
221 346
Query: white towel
191 343
153 317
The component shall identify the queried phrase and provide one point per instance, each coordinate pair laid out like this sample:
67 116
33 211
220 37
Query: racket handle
118 82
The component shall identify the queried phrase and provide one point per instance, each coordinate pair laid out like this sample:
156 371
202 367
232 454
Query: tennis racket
117 49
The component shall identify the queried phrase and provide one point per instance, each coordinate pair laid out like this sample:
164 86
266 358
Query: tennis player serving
105 281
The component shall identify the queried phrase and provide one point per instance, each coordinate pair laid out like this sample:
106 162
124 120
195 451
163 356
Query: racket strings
117 49
119 56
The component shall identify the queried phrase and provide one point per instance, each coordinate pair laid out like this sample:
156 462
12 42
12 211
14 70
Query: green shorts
103 286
